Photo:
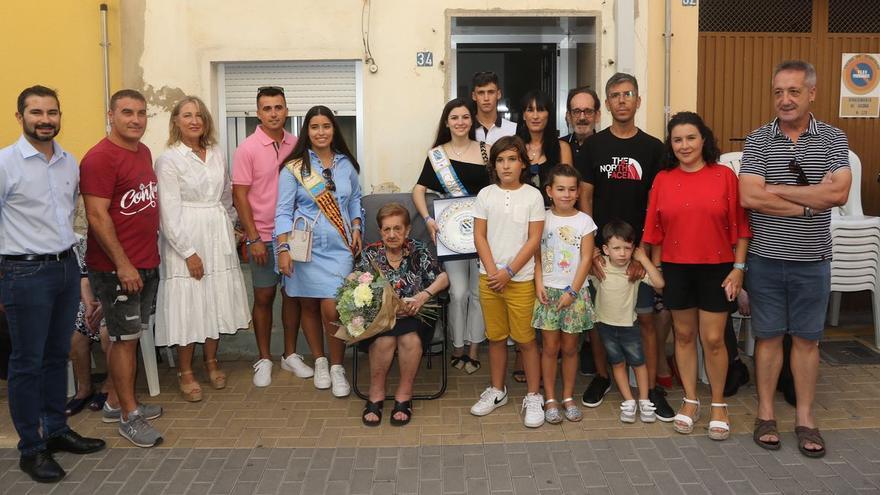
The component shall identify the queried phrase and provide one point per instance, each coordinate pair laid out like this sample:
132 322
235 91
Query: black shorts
696 286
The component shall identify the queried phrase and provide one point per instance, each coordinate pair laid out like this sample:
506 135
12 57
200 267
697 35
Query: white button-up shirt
37 199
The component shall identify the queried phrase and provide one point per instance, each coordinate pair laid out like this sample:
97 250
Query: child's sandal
572 411
551 412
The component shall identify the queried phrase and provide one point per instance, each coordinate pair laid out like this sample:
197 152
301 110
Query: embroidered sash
445 173
316 188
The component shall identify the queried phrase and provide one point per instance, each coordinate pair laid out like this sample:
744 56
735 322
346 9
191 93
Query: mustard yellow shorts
508 313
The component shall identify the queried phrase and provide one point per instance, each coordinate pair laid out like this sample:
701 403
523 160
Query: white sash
445 173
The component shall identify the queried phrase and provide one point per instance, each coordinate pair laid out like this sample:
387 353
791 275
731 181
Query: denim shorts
126 314
264 275
623 344
788 297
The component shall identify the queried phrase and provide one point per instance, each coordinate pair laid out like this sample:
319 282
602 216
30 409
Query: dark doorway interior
521 67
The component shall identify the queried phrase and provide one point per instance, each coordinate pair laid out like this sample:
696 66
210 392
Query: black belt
39 257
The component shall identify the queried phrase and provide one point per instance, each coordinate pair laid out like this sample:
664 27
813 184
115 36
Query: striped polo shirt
768 151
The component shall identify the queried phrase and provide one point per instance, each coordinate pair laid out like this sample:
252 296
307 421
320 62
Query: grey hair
799 66
621 77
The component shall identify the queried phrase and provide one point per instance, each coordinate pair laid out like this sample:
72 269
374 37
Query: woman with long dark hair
700 233
537 128
318 187
456 166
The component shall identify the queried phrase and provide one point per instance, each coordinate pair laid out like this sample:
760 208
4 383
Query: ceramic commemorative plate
457 226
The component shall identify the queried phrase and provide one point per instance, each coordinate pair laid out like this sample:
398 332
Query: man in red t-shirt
119 189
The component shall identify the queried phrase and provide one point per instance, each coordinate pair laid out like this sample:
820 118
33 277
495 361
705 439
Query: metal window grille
853 16
781 16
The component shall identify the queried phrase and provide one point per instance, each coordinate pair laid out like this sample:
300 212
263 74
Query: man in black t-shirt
618 165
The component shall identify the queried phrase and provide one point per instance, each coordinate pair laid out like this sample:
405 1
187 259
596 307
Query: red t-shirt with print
127 179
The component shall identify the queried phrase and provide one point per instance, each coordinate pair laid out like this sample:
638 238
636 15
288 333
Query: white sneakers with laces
339 384
533 410
263 373
294 363
322 374
491 399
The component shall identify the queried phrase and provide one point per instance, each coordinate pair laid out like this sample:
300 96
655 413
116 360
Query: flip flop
804 435
766 427
404 407
519 376
97 402
74 405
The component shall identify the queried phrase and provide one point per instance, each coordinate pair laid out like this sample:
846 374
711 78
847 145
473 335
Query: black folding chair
437 347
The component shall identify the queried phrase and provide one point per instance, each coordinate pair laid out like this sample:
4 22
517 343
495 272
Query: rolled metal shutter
306 84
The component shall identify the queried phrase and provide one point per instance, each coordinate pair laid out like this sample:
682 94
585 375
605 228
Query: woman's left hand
733 283
415 303
356 241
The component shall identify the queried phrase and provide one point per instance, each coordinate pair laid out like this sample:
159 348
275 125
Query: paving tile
636 471
408 480
499 478
666 482
270 481
361 481
524 486
519 464
591 473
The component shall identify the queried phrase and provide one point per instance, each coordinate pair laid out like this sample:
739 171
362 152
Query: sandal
519 376
216 375
572 411
806 434
97 402
457 362
374 408
719 430
471 366
404 407
683 423
551 413
74 405
191 392
765 427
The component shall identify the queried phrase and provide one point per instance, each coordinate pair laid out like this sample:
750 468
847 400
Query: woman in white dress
201 288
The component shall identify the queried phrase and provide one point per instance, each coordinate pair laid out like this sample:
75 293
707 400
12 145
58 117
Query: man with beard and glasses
122 253
582 114
40 283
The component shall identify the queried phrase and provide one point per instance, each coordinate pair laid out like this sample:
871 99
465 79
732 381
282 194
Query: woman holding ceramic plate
456 166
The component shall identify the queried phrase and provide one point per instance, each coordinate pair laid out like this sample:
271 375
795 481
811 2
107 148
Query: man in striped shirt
795 169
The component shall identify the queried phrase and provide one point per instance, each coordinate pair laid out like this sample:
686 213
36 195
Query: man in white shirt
486 94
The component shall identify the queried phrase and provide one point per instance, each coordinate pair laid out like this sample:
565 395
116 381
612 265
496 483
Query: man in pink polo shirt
255 167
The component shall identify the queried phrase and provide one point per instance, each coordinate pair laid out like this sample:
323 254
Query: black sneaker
664 412
737 375
596 391
588 365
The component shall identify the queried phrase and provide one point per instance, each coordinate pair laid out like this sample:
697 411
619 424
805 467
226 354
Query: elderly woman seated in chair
416 276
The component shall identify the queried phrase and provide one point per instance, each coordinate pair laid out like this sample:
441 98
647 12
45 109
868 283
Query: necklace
393 260
533 153
456 152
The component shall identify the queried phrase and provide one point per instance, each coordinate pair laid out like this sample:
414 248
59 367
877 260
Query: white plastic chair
732 159
855 267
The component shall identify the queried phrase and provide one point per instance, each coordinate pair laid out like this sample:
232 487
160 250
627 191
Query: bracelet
428 292
739 266
356 226
282 248
573 293
248 242
509 271
428 218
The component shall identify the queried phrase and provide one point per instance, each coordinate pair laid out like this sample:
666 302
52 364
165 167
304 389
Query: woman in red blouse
700 233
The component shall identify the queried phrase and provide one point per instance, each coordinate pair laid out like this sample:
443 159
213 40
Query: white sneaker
532 410
322 374
341 388
628 411
263 373
646 411
490 399
295 364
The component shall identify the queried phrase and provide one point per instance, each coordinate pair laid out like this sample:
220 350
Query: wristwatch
808 212
248 242
573 293
740 266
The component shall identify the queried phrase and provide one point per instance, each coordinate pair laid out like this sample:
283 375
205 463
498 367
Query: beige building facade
362 58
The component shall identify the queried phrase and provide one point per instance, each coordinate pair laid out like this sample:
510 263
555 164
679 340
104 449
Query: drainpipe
105 47
667 72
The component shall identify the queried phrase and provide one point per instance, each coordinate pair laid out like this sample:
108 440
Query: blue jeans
41 300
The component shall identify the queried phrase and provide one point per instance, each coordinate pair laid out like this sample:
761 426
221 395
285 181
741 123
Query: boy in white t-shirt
616 317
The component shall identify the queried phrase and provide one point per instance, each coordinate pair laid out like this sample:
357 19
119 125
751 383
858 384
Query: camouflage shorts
126 314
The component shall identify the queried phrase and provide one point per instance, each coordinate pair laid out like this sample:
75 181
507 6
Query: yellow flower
363 295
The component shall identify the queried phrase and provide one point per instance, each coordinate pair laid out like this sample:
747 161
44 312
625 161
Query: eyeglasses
794 167
587 112
328 178
273 89
626 95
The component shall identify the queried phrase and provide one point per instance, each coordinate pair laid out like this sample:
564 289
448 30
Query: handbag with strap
300 240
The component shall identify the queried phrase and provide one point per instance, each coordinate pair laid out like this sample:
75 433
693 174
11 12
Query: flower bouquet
367 306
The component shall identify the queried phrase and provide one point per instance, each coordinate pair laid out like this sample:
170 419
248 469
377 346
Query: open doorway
553 54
